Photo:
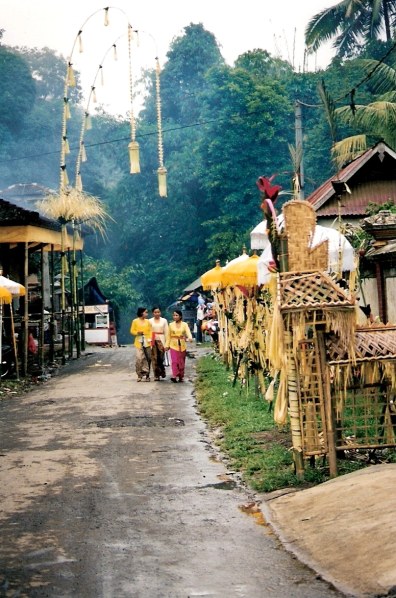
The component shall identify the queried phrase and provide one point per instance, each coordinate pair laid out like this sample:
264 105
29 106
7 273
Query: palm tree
373 121
351 22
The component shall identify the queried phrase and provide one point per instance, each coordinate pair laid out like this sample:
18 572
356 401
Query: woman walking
159 331
141 330
178 333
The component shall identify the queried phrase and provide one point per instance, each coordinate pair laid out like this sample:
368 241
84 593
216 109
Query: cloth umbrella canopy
341 253
212 278
5 299
16 289
5 296
241 273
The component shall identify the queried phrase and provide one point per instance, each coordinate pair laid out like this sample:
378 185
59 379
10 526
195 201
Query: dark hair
156 307
177 311
140 311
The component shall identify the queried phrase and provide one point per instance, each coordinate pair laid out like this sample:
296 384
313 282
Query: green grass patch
247 434
255 445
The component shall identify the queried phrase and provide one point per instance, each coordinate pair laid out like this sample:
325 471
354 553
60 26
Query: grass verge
247 434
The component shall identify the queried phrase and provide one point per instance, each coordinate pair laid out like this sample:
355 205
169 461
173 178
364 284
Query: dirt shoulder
345 529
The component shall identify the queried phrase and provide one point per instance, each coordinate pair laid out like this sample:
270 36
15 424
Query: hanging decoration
162 172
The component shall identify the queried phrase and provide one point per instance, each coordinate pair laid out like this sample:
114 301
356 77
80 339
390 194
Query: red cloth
178 360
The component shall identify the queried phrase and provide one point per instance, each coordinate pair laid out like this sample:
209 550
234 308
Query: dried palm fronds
78 206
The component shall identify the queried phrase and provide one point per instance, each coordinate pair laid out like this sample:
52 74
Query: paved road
111 488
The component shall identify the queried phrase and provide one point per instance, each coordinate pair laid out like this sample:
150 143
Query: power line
349 93
140 136
366 78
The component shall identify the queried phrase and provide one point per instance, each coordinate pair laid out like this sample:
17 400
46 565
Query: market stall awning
194 286
39 235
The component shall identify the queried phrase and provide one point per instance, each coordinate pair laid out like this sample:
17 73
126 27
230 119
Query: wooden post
25 312
294 407
41 340
52 316
82 327
71 306
329 412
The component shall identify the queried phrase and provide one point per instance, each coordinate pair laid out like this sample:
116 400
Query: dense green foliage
223 127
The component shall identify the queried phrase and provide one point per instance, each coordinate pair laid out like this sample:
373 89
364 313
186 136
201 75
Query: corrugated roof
369 191
384 250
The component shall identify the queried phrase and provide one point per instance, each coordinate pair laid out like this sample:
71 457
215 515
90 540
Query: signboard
96 309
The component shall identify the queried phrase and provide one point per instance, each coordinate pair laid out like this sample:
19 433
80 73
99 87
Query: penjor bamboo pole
294 407
329 412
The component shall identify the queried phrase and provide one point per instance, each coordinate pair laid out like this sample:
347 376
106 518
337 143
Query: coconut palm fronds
78 206
348 149
377 116
382 76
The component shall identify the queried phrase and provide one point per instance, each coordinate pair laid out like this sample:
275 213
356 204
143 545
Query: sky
239 26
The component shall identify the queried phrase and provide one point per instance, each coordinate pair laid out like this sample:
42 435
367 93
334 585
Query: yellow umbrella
212 278
243 273
5 296
16 289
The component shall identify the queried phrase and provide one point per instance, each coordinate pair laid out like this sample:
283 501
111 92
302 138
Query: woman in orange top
178 333
141 330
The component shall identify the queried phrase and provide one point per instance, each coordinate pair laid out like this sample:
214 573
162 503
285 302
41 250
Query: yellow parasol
212 278
16 289
242 273
5 299
5 296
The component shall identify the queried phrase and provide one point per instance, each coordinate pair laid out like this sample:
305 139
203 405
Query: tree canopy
223 127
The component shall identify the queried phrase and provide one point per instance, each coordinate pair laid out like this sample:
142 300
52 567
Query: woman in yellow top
178 333
141 330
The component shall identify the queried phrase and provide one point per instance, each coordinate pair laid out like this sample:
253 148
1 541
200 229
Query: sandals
139 380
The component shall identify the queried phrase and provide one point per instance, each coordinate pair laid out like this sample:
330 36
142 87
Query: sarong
178 359
142 363
157 357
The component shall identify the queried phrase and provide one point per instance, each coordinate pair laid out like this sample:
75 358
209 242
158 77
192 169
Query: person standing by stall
141 330
159 331
199 320
178 334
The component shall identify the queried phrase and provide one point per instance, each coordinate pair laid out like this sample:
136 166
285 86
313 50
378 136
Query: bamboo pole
82 301
71 309
294 407
63 292
52 316
75 293
41 343
26 311
329 411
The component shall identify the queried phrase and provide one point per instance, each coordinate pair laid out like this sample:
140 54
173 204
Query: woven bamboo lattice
310 290
300 222
311 400
368 419
370 344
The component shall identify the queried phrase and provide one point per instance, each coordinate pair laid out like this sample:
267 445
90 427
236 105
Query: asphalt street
113 488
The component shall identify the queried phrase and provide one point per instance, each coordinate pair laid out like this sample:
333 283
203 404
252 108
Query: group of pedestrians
155 339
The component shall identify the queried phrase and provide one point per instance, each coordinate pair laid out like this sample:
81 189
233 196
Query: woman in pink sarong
178 334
